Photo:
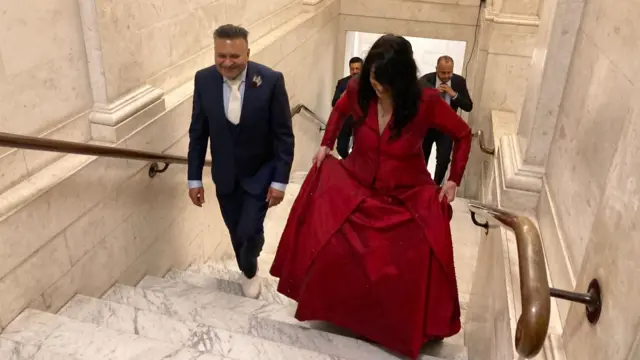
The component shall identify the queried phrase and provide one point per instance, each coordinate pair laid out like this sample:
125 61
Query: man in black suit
453 90
344 137
243 108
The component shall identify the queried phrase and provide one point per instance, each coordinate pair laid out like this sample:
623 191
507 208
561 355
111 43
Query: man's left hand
274 196
448 90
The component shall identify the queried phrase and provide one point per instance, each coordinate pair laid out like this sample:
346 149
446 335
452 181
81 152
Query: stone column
524 154
498 75
112 119
549 70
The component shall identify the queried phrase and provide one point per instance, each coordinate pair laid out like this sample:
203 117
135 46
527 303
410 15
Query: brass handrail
485 149
298 109
533 324
70 147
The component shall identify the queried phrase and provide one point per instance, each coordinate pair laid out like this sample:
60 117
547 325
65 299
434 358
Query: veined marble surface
75 340
211 275
264 327
148 324
202 296
223 279
11 350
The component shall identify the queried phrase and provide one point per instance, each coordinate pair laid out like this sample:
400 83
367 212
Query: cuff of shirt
279 186
195 184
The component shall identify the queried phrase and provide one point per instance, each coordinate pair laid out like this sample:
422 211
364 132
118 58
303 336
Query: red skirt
378 264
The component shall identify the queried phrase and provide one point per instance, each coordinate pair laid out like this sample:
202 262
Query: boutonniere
257 80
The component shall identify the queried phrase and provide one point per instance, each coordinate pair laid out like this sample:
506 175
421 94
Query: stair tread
203 297
261 324
82 341
219 277
222 276
12 350
189 334
230 284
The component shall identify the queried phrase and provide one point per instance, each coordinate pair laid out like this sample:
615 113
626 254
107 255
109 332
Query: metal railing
483 146
533 324
298 109
70 147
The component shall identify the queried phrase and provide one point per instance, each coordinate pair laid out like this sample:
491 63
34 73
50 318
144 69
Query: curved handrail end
533 323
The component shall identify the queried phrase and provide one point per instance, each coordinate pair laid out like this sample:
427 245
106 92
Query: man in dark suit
453 90
344 137
243 108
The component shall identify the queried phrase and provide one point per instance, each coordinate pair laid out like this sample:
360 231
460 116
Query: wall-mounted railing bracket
592 299
483 147
477 223
155 169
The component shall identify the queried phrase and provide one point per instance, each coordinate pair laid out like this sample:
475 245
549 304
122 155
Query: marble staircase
200 313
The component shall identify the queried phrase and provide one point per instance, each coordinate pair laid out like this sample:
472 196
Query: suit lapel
432 80
250 93
218 107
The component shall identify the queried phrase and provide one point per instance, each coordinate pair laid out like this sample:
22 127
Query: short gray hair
231 32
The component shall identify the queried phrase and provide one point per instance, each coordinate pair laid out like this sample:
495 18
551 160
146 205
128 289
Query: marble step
207 277
228 270
220 277
203 297
230 284
71 339
256 307
12 350
202 337
298 335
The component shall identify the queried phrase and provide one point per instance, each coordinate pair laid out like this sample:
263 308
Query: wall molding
517 174
518 185
561 270
511 19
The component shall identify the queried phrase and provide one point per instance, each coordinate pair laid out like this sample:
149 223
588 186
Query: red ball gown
367 245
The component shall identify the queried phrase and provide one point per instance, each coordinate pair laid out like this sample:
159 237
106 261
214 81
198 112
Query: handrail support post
592 299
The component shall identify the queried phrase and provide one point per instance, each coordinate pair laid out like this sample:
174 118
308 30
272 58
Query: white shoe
251 288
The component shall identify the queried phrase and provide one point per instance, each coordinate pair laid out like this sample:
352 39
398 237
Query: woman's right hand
322 152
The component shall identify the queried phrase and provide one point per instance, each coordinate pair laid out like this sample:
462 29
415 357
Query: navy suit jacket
262 150
458 84
341 87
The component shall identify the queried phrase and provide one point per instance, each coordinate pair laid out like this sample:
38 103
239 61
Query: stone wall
84 223
139 39
592 174
44 79
82 70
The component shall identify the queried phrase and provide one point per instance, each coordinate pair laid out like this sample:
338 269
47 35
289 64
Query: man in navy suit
243 108
344 137
453 90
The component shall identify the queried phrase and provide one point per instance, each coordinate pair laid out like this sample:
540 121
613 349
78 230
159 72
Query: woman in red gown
367 245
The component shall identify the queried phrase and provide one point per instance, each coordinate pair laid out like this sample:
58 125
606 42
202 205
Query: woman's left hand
449 190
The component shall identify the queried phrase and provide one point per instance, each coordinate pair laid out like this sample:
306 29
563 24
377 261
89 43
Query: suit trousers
244 214
444 145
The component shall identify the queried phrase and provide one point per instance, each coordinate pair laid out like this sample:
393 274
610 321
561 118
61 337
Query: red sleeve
343 108
443 118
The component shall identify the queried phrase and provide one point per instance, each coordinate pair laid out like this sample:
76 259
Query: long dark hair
391 58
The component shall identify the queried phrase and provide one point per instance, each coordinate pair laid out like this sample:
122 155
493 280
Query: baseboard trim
561 270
